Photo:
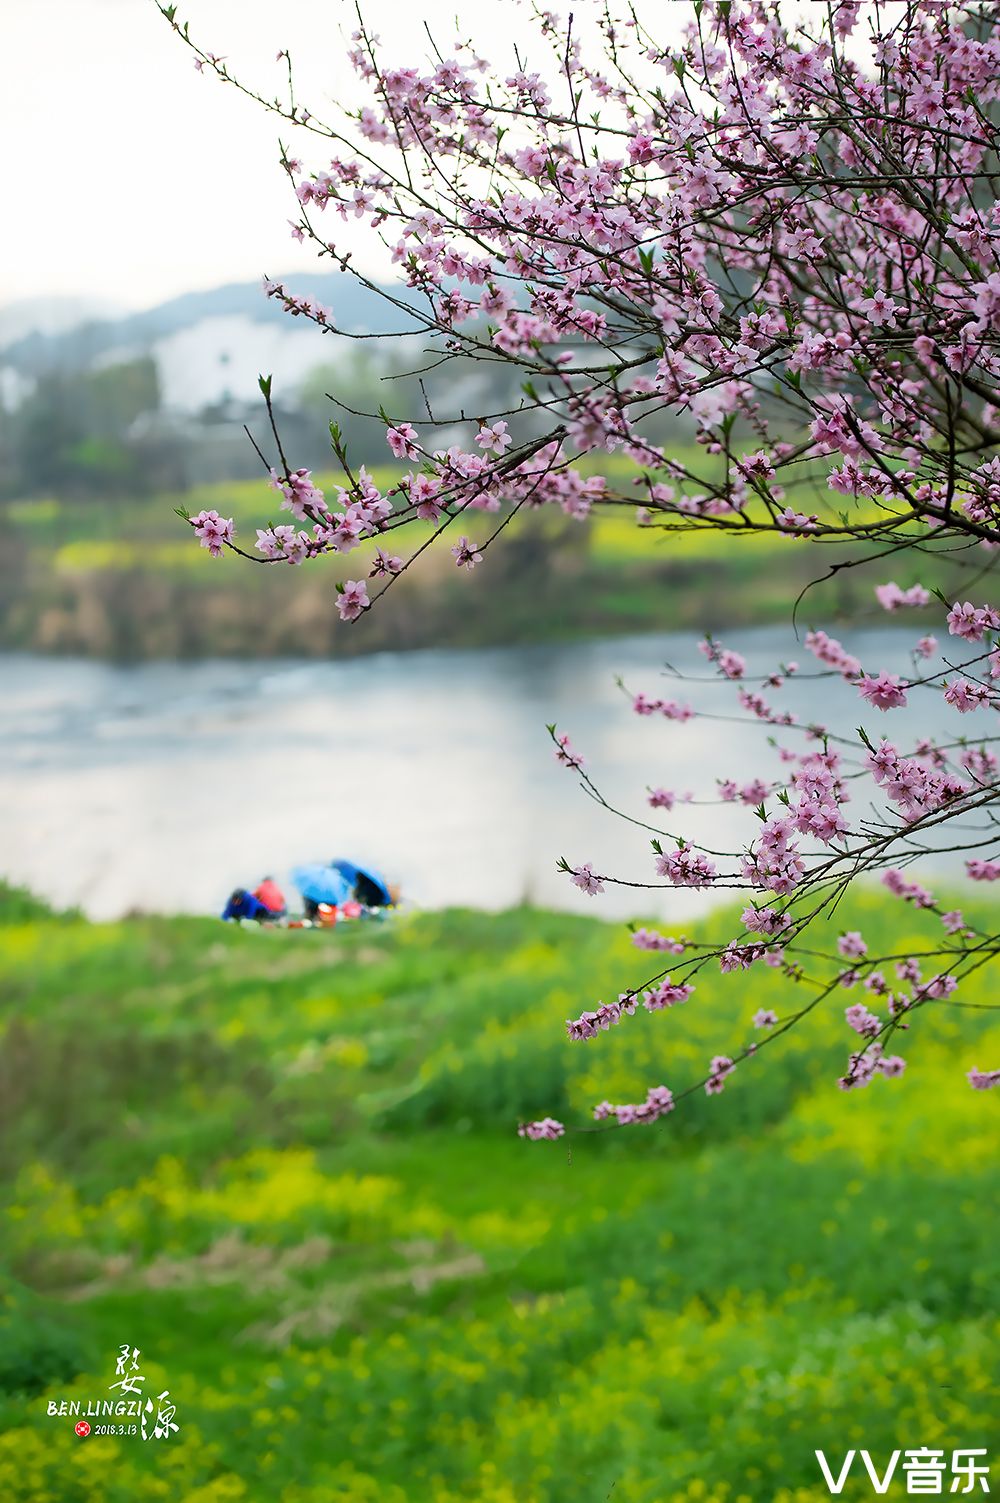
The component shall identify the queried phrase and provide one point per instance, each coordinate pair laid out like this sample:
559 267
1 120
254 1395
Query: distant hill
21 320
208 346
67 332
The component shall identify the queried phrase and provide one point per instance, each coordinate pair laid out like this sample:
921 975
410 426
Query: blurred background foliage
108 426
122 578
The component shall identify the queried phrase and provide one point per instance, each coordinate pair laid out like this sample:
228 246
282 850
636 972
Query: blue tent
368 887
321 884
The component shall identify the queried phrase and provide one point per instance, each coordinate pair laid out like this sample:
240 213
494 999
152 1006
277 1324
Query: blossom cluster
659 1101
550 246
807 839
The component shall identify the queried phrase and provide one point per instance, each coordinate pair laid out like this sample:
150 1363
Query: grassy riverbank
126 580
283 1166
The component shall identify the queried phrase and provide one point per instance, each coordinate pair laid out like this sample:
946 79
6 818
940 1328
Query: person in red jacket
270 894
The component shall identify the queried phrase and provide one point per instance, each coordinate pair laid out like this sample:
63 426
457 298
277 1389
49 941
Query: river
163 786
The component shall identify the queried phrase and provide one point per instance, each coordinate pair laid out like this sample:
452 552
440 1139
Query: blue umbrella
367 884
321 884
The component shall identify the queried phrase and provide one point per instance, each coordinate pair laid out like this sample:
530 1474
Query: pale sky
128 177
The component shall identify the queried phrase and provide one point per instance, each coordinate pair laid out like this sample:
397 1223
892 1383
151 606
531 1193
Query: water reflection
163 786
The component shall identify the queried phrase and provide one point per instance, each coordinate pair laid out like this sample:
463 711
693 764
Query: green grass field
284 1166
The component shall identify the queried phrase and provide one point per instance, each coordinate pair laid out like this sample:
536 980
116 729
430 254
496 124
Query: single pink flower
353 600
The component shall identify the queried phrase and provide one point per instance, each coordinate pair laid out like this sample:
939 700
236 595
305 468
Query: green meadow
285 1167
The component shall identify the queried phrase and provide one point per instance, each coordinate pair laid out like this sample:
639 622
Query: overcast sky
128 177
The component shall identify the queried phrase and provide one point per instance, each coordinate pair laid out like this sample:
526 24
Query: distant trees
351 389
81 433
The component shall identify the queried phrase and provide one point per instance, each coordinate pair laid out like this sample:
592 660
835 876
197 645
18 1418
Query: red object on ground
271 895
350 909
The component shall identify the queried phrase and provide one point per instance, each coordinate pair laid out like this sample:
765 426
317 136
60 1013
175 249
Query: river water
163 786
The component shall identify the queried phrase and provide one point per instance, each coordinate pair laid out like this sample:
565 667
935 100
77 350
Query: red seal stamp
82 1428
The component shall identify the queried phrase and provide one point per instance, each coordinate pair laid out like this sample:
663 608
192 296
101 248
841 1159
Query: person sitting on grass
243 905
270 894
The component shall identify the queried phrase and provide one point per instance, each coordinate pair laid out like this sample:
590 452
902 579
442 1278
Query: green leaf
264 382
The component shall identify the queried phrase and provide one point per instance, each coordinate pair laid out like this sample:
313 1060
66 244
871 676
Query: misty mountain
49 316
34 342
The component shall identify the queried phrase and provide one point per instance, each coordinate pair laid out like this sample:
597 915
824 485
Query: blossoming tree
787 232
